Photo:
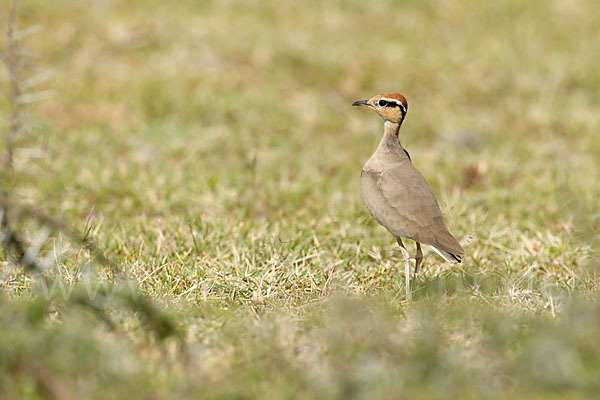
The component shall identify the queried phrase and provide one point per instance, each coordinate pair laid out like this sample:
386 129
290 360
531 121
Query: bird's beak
361 103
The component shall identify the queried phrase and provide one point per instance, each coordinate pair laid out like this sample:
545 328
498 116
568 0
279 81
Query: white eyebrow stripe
396 102
403 109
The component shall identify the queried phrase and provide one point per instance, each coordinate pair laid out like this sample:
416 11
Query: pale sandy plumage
396 194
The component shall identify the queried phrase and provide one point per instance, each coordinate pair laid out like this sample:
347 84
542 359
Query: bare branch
12 239
32 30
33 97
36 79
12 63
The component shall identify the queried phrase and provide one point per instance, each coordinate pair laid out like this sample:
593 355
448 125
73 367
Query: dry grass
216 145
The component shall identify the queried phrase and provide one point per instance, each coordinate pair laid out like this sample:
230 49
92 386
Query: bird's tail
447 256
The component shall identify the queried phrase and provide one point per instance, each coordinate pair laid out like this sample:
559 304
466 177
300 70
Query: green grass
216 145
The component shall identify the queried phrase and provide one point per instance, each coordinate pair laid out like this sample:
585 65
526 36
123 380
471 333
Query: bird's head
392 106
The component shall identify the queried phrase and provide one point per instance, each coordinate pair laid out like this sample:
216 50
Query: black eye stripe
389 103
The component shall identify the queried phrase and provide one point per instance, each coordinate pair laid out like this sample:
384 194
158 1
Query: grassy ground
211 150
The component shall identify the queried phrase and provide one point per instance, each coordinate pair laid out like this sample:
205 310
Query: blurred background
192 102
210 149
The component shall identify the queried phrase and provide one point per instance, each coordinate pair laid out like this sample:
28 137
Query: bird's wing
401 200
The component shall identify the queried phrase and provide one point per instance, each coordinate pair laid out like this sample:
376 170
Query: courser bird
396 194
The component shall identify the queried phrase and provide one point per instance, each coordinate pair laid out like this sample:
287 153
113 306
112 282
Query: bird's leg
399 240
418 258
406 258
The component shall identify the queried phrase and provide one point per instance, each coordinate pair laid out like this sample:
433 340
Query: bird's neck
391 128
390 138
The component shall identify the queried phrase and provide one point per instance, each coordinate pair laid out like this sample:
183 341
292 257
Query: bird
396 194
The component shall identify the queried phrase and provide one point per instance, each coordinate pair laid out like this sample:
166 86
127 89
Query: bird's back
399 198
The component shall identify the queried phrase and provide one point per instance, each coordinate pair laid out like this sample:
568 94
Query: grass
210 149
